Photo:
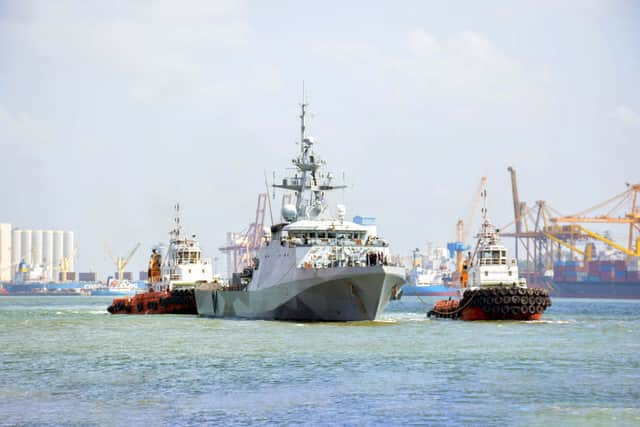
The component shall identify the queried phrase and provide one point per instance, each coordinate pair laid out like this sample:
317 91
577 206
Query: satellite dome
289 213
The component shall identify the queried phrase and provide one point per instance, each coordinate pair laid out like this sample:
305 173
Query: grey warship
314 266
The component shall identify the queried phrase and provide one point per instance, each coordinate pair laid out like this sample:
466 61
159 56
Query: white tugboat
183 266
490 286
172 280
314 266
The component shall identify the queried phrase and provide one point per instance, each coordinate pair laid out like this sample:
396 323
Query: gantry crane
551 230
65 265
463 230
121 262
241 247
629 197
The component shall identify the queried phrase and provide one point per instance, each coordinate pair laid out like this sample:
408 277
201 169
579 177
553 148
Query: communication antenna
303 126
266 186
272 184
484 203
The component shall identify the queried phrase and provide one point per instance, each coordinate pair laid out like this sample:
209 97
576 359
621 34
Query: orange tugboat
172 282
494 291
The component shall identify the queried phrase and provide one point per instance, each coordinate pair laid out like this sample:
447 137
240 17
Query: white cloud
158 47
626 116
422 43
20 129
467 70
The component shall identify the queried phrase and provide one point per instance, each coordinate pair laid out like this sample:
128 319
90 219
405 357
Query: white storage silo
5 252
68 249
16 250
26 250
47 253
58 237
36 247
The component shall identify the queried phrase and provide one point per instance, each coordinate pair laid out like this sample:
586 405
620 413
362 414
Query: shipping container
633 275
88 277
621 276
606 276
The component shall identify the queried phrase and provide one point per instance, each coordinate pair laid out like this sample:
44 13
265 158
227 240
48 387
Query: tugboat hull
152 302
500 303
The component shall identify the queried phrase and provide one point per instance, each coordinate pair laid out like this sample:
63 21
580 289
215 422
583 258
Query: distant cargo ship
430 275
41 288
113 288
597 279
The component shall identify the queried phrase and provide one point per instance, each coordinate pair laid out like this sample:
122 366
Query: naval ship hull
327 295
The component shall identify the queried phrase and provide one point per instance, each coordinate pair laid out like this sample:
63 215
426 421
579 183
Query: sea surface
66 361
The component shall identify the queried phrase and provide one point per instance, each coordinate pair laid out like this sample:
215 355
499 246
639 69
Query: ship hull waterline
324 295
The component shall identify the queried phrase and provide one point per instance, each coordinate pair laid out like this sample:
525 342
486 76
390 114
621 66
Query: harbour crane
631 216
121 262
463 230
65 265
241 247
543 231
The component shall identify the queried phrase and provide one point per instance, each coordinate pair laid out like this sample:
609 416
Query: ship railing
298 242
339 258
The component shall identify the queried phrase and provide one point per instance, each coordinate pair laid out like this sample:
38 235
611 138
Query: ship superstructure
315 266
490 266
183 266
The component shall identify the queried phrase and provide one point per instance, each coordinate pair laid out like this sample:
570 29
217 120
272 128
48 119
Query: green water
66 361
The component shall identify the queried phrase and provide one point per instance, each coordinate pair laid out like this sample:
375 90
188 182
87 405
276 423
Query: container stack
615 271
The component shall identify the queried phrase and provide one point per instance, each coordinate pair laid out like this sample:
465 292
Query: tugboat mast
175 233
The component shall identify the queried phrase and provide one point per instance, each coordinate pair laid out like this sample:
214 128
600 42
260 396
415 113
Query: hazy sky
111 111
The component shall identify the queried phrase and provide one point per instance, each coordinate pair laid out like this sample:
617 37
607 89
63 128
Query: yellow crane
629 197
65 265
121 262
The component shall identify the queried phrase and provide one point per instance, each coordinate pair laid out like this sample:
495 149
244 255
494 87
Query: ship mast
177 228
307 177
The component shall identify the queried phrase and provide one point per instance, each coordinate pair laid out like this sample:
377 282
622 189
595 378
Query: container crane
65 265
551 229
517 208
121 262
628 197
241 247
463 232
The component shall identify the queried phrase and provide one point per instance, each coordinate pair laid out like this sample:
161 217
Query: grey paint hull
337 294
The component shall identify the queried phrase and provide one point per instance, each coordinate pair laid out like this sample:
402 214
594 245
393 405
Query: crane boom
609 242
133 251
516 199
466 230
563 243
